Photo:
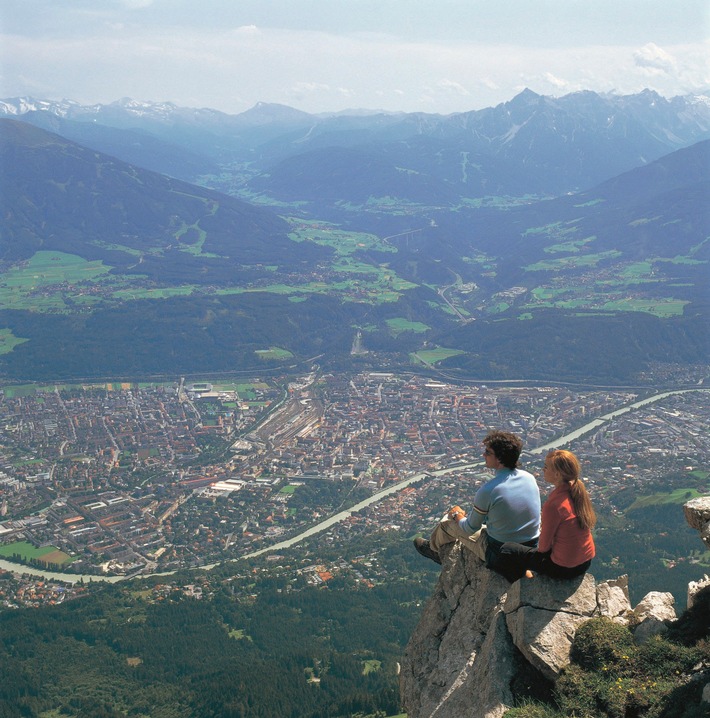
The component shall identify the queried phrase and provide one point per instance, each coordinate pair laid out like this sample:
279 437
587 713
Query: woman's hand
456 513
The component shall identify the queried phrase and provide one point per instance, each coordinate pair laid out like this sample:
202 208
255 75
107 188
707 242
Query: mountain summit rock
481 640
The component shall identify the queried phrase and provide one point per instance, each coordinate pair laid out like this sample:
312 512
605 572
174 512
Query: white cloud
488 83
255 57
556 81
652 57
248 30
453 87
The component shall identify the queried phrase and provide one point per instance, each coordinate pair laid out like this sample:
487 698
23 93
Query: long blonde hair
567 465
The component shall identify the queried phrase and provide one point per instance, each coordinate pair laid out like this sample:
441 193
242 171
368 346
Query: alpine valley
146 239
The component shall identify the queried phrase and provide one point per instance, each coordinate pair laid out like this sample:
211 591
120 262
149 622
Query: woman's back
561 533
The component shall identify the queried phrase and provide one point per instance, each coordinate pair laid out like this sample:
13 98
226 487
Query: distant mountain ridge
533 144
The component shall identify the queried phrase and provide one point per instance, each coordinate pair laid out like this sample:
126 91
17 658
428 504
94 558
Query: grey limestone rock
460 659
543 615
613 599
697 514
656 604
694 587
478 633
652 613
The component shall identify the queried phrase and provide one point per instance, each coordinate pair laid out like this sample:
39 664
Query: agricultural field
615 291
60 283
397 325
45 282
575 261
678 496
8 341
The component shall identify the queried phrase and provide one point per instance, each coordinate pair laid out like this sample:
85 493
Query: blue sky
329 55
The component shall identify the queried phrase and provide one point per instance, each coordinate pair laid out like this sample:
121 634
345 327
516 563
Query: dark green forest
315 652
579 346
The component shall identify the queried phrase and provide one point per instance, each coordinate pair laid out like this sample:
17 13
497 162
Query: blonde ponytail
586 516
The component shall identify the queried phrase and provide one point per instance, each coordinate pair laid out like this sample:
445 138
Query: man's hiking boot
422 545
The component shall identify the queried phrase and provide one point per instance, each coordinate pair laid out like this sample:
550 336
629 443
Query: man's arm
471 523
477 517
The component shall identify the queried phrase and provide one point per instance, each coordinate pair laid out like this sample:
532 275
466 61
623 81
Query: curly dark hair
506 446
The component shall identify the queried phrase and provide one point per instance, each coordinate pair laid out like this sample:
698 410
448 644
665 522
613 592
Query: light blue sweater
509 506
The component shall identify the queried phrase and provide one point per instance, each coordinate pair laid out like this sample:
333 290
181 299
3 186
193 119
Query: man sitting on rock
506 508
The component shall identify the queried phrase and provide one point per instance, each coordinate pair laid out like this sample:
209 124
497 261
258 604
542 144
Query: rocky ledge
480 636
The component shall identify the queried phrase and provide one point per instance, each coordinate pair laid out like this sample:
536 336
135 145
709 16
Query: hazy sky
327 55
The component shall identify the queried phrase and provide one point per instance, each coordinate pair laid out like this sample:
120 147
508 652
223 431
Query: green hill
110 270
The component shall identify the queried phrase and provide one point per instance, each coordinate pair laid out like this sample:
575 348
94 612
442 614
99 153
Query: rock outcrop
697 514
479 635
652 614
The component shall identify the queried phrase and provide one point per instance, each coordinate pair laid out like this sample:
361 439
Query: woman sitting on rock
566 547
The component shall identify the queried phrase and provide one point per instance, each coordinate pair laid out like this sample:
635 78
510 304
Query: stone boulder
543 615
613 599
460 657
652 614
478 634
697 514
694 588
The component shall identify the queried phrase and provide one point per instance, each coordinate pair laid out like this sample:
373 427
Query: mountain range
581 220
530 145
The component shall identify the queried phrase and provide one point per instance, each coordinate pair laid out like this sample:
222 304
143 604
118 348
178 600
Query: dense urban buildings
126 479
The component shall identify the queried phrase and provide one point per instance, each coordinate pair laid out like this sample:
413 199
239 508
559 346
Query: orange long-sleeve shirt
560 532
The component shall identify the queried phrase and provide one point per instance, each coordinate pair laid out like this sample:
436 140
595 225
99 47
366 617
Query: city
117 480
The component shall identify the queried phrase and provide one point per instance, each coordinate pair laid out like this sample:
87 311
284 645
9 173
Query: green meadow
618 284
43 282
274 353
400 324
196 233
572 262
663 307
52 282
679 496
8 341
572 246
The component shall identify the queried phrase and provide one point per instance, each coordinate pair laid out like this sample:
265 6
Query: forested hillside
253 647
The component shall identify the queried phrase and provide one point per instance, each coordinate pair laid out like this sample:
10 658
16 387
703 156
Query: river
340 516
